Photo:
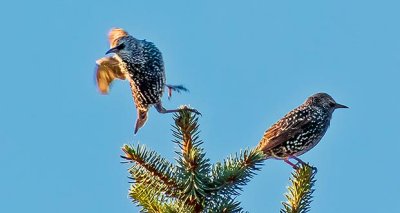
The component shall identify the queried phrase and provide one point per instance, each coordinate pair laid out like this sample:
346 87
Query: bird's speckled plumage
142 64
301 129
145 67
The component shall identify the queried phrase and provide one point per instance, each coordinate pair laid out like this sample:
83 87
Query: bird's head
325 101
125 47
121 42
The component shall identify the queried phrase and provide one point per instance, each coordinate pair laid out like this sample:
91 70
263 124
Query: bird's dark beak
112 50
340 106
116 48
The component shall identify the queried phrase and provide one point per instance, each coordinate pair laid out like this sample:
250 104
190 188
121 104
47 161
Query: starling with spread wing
141 63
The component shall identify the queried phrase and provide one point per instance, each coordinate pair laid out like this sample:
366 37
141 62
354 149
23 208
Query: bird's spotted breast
300 130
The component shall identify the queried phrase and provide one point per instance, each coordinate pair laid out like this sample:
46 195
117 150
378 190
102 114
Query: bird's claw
195 111
299 163
315 170
185 107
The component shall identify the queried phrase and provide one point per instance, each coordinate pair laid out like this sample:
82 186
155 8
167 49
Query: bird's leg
176 88
162 110
290 163
298 160
304 163
169 93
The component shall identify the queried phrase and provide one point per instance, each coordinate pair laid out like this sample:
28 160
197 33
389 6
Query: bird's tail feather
261 147
141 119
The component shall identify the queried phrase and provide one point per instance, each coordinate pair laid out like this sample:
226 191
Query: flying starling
140 62
300 130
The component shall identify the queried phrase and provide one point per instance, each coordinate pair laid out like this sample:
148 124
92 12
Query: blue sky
246 65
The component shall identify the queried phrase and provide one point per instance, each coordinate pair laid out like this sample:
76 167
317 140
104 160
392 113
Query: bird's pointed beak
116 48
112 50
340 106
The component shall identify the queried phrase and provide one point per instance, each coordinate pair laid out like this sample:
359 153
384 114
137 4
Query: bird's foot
194 111
184 107
162 110
300 162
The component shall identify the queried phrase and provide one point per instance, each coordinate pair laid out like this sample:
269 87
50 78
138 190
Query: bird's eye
121 46
331 104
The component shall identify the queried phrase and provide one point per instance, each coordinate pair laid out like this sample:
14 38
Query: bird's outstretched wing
284 130
107 69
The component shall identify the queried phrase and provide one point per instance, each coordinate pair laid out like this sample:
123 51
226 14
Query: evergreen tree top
193 184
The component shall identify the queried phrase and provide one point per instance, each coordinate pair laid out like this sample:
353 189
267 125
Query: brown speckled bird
300 130
140 62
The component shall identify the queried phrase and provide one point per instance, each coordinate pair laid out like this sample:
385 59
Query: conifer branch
151 202
235 172
144 177
299 195
151 168
224 204
193 166
154 201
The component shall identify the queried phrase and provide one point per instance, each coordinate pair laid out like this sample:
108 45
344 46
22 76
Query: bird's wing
107 69
284 130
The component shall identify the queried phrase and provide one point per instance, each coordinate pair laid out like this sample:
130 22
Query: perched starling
140 62
300 130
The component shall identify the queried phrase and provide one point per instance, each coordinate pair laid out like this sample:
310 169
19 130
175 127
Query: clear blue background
246 63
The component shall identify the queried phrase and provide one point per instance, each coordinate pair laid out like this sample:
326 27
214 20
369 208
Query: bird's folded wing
282 131
107 69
